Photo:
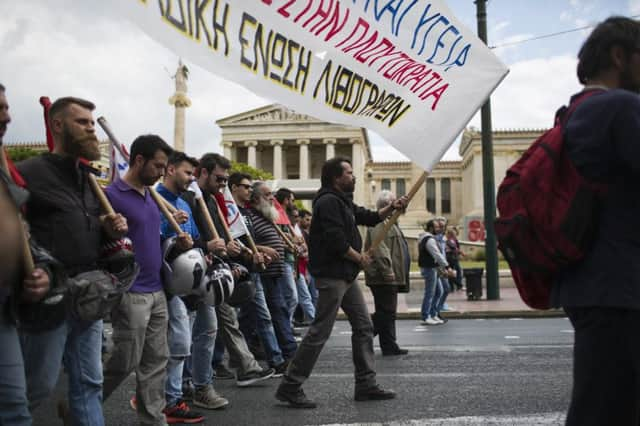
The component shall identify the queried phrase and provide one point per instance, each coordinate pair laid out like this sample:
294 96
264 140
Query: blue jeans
255 314
279 315
304 298
14 406
313 291
432 292
289 289
445 289
180 340
79 345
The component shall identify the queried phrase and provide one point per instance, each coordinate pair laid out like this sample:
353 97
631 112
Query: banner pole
396 214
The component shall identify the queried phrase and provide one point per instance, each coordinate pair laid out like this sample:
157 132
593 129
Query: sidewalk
509 305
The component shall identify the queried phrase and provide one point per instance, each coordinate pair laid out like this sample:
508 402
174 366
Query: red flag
13 172
223 206
46 106
283 218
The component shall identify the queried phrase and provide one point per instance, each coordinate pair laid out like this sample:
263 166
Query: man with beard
212 172
140 321
263 215
335 261
601 293
254 317
64 216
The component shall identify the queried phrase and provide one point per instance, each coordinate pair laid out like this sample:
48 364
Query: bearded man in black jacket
335 261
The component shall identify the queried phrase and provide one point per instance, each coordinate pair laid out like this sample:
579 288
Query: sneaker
133 403
182 414
374 393
440 319
395 351
295 399
431 321
223 373
207 397
255 377
280 369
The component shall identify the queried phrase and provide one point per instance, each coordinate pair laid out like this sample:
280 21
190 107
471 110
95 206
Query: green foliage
18 154
479 255
299 205
256 174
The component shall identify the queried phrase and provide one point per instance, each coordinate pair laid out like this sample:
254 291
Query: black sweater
333 230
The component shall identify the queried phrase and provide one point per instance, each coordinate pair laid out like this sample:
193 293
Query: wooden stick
396 214
168 205
102 198
165 211
207 217
223 219
284 237
29 266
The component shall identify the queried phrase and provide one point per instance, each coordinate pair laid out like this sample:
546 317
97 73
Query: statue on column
180 101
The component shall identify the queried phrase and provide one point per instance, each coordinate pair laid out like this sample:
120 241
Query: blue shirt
143 219
189 226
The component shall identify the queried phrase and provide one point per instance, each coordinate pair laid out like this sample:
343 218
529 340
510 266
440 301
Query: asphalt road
466 372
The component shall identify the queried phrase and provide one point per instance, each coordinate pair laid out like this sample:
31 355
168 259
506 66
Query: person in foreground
601 298
335 261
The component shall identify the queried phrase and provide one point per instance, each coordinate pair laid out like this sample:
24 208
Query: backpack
548 212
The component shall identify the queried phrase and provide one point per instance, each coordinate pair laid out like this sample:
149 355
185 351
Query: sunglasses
244 185
221 178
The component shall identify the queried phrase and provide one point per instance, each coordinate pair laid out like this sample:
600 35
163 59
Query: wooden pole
207 217
223 220
102 198
396 214
284 237
165 211
29 266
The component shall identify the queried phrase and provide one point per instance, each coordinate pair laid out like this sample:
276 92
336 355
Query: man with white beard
263 215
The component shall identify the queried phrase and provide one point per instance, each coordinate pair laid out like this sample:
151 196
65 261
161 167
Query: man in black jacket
335 261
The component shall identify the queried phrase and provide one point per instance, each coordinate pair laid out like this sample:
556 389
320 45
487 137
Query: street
466 372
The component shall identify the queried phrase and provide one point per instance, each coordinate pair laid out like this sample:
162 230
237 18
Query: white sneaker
440 320
431 321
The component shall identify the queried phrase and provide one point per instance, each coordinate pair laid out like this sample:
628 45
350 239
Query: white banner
408 70
236 221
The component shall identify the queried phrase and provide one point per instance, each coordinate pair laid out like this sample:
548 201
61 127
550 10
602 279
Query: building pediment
270 114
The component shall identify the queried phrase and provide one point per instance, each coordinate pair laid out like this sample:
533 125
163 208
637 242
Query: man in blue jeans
179 175
61 195
254 316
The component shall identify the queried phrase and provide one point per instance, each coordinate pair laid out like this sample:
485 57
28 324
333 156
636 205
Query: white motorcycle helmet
184 274
217 284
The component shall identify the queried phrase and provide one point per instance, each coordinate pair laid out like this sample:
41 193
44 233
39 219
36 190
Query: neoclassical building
293 147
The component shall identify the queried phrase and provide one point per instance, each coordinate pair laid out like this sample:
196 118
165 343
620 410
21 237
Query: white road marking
554 418
511 337
567 331
345 333
515 319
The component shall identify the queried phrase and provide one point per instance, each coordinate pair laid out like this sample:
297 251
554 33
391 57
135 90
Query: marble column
277 158
304 158
438 211
357 163
330 147
251 152
228 150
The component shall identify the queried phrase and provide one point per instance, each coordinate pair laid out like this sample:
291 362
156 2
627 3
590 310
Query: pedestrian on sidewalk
335 261
389 270
601 293
432 265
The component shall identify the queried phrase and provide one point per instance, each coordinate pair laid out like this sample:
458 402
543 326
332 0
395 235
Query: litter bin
473 279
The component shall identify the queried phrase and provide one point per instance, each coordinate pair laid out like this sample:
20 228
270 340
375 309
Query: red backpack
548 213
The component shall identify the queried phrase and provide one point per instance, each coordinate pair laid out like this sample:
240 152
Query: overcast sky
75 47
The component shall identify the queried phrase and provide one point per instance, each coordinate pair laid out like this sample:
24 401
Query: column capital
355 141
303 141
329 141
227 144
251 143
276 142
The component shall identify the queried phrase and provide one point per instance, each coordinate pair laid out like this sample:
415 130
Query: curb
552 313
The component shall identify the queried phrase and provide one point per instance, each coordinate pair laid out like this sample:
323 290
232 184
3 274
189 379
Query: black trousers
385 298
606 367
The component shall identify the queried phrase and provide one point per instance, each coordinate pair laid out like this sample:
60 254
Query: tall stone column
330 150
438 211
304 158
251 152
180 101
357 163
228 150
277 158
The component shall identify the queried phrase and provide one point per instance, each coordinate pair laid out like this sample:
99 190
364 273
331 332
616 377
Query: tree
256 174
18 154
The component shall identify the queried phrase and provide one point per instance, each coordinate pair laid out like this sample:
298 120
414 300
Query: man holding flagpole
335 261
212 175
